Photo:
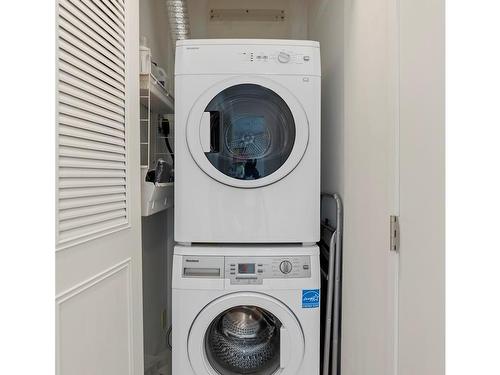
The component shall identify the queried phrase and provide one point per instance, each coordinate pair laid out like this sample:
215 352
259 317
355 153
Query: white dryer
247 139
246 310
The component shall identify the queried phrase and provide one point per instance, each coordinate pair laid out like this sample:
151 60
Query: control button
284 57
286 267
305 266
307 58
260 271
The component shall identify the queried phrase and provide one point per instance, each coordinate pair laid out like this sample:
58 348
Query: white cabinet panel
85 317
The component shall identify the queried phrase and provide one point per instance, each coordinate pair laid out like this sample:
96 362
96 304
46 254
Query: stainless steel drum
244 340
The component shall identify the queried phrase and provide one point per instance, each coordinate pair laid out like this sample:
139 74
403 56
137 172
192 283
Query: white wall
358 160
294 27
154 25
383 150
326 25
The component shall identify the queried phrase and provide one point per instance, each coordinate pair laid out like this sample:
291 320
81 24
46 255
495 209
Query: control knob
286 267
284 57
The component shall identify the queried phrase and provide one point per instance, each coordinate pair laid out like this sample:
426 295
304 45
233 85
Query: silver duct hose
178 19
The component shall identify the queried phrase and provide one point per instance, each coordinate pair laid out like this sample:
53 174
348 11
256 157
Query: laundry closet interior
321 21
230 231
234 20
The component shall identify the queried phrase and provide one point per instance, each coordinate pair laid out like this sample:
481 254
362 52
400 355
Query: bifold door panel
98 269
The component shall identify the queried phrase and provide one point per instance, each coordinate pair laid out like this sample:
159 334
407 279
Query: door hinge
394 233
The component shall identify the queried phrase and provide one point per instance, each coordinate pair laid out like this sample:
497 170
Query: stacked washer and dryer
246 272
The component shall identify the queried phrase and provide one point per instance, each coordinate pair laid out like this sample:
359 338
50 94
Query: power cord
169 338
164 129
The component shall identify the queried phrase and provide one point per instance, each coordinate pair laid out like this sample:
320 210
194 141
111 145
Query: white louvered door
98 245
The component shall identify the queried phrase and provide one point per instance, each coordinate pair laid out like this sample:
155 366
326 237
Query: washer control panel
253 270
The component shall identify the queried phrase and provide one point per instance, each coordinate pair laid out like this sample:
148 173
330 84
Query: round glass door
252 132
247 132
245 333
244 340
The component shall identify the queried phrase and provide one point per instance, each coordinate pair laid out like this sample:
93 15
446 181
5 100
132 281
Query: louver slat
85 134
89 126
89 8
92 58
87 172
85 212
91 164
79 93
90 107
96 23
90 201
82 114
89 182
90 89
118 4
89 154
85 37
82 231
68 63
67 194
92 147
89 220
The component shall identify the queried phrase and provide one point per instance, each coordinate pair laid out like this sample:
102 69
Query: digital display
244 268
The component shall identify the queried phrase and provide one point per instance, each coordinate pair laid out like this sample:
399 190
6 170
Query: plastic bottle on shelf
145 56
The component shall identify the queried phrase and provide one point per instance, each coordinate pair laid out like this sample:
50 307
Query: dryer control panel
219 56
247 270
274 56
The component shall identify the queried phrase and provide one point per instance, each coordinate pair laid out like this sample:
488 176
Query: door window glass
252 132
244 340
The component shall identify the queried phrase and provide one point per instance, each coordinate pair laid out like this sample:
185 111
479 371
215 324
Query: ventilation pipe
178 19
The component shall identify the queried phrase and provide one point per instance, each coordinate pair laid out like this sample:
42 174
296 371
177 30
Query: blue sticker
310 298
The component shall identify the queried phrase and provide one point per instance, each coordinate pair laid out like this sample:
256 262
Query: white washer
247 141
246 310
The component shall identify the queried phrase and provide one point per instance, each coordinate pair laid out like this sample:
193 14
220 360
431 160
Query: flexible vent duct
179 19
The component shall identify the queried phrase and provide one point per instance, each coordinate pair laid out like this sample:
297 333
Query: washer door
246 333
247 133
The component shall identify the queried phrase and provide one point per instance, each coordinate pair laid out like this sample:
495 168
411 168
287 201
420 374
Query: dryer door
247 132
246 333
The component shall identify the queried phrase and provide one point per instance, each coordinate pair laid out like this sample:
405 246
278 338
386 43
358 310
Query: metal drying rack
331 348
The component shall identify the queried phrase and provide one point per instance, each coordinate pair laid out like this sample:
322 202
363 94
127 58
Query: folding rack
331 348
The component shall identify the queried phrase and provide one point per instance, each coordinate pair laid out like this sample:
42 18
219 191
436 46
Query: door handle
205 132
210 131
284 347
